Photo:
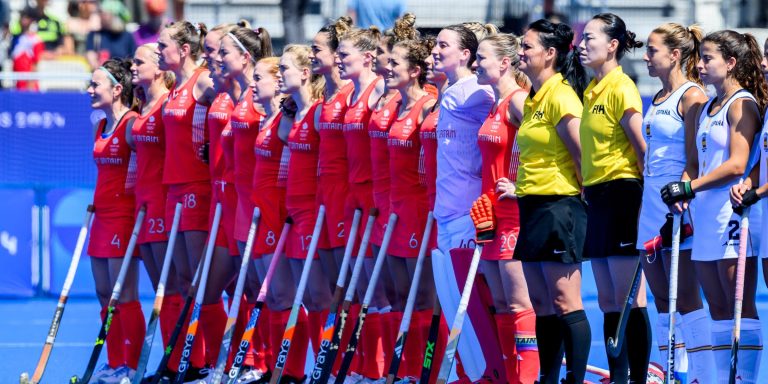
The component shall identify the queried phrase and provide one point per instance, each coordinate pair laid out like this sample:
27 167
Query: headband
239 44
109 74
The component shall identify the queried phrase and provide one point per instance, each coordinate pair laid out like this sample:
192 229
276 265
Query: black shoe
292 380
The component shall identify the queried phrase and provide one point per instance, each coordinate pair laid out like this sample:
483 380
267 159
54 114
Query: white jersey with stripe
664 132
716 226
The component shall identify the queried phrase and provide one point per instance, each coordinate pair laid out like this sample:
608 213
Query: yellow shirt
546 167
606 153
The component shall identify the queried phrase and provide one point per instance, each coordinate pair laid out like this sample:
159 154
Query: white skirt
718 229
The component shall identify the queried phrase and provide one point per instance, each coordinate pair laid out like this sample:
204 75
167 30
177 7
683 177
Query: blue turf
24 324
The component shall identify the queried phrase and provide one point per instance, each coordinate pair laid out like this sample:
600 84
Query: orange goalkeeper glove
482 215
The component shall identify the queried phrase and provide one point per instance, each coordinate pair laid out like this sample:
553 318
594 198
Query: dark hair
120 69
184 32
334 30
467 40
748 72
560 37
616 29
687 40
257 42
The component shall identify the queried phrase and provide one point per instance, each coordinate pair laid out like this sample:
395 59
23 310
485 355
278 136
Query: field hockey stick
290 327
674 265
429 351
329 350
405 323
352 346
341 281
600 372
740 271
615 343
194 320
59 312
245 341
113 301
458 321
159 297
169 348
234 309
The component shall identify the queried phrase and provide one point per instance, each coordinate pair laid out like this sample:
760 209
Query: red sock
297 356
242 321
413 351
169 313
316 322
197 354
389 328
213 319
370 354
527 349
115 339
349 326
263 328
134 330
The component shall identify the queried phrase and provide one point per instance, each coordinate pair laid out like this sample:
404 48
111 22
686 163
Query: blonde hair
404 29
365 40
300 55
480 30
169 79
508 45
688 41
335 30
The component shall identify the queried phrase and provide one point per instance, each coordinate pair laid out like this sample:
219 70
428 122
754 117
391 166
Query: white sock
750 349
681 358
722 333
697 335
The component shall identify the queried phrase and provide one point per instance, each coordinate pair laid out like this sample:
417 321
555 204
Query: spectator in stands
293 20
52 31
149 31
83 19
111 40
382 14
27 47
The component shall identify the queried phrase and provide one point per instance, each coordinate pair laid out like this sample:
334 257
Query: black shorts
613 209
552 228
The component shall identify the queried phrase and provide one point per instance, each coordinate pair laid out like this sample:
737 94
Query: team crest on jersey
409 121
765 142
115 141
386 113
498 117
304 127
184 92
648 130
704 142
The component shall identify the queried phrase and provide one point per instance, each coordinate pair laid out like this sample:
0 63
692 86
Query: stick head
24 377
613 348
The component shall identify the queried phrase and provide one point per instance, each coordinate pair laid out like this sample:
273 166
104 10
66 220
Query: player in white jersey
726 127
668 128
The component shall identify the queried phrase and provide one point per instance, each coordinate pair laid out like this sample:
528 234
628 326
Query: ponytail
560 37
688 41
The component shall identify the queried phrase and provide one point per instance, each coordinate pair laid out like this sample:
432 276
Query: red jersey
227 141
271 167
245 122
184 120
304 144
498 148
333 152
428 166
378 132
218 121
116 171
149 142
405 155
356 137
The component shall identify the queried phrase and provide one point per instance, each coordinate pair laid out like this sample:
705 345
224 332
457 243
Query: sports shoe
102 371
253 376
117 375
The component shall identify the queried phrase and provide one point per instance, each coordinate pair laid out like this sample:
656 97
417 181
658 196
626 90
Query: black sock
549 339
619 366
577 341
638 344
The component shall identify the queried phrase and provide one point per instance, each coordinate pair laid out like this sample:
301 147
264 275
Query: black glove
676 191
748 199
666 232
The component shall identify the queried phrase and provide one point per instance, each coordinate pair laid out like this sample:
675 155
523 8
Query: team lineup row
347 149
